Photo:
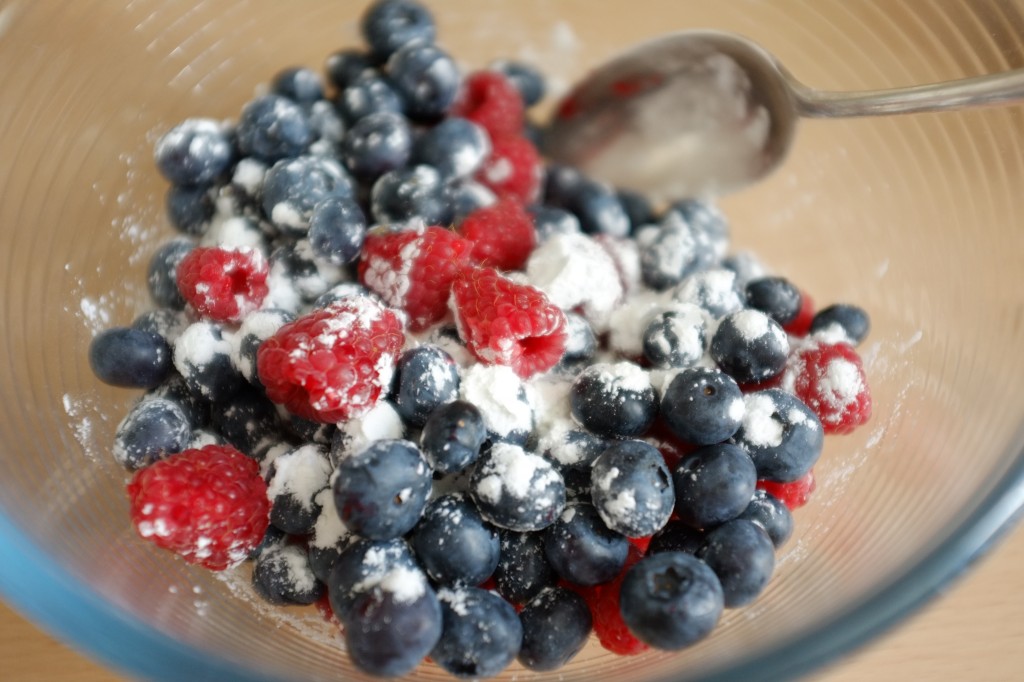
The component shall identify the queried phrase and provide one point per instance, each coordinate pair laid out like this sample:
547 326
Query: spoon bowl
699 113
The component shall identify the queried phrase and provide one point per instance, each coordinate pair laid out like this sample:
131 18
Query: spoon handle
996 88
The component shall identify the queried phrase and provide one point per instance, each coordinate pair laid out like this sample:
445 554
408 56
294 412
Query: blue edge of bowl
51 596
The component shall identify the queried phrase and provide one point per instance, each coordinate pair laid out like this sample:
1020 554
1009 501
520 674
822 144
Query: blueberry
676 337
162 275
281 575
772 514
452 436
580 342
468 196
387 25
299 84
382 491
345 66
560 184
573 451
426 78
341 291
523 569
294 482
310 431
676 536
370 93
128 357
293 187
702 406
306 276
330 537
414 192
380 422
550 221
708 223
516 489
556 625
376 144
427 378
714 290
671 600
272 538
742 556
337 229
256 328
362 565
196 406
781 434
746 265
272 127
189 209
670 252
481 634
776 297
453 542
637 207
392 628
195 152
614 400
713 485
526 79
456 147
248 421
582 549
599 210
153 429
165 322
203 357
328 128
503 398
849 321
631 488
750 346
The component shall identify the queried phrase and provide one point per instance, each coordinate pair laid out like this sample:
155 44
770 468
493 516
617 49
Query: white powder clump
626 324
751 324
841 383
199 345
576 272
249 175
760 428
622 376
259 326
516 489
329 530
504 400
455 598
405 584
714 290
510 470
231 231
292 559
300 474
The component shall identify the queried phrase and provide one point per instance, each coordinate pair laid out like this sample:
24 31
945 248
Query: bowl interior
913 218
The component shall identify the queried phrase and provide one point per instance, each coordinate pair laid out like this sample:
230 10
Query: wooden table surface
974 632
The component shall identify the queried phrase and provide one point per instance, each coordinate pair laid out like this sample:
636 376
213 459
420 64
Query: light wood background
973 632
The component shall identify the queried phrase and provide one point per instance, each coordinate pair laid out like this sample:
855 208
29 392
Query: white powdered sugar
576 272
329 530
296 565
840 383
300 474
198 345
510 470
382 277
504 400
233 232
627 322
623 376
249 175
713 290
380 422
455 598
751 324
405 584
760 427
260 324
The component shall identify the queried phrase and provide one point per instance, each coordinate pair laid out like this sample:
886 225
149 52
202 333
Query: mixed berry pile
475 406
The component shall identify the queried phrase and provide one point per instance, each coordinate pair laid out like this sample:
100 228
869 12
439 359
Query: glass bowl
914 218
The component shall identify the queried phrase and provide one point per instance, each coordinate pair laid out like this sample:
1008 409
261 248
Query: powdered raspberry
413 270
491 101
609 627
801 324
794 494
502 235
830 379
221 284
512 170
332 364
208 505
507 323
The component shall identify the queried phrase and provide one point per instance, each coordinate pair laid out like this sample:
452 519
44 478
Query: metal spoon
704 112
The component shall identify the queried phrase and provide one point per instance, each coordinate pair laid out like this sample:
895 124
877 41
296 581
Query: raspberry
491 101
223 285
507 323
413 270
801 324
794 494
502 235
513 169
332 364
208 505
830 379
603 601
